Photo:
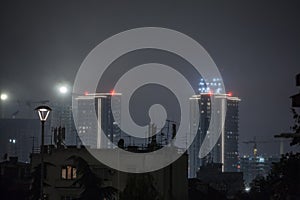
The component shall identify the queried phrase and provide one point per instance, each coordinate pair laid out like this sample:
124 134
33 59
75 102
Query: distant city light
12 141
4 96
63 89
213 85
247 189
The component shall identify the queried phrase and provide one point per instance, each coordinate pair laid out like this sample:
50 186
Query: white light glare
63 89
247 189
4 96
12 141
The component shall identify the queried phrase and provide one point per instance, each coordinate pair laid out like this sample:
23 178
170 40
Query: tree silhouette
283 182
92 185
35 186
296 128
295 136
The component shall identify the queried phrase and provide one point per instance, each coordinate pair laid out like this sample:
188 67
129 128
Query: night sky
255 44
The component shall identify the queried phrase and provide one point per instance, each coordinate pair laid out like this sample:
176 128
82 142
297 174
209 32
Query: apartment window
68 172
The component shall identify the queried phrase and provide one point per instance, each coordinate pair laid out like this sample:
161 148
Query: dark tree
35 186
92 184
283 182
296 128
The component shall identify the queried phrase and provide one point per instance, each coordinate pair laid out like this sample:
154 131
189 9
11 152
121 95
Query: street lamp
3 98
43 112
63 89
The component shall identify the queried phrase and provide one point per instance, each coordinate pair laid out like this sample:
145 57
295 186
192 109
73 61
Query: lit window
68 172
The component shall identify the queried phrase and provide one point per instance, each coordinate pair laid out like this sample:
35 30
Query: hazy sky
255 44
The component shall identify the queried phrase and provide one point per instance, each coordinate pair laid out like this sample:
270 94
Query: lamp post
43 112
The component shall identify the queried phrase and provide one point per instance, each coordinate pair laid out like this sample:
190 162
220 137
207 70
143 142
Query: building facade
102 131
61 172
225 150
20 137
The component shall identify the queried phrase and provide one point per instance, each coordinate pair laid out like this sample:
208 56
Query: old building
61 172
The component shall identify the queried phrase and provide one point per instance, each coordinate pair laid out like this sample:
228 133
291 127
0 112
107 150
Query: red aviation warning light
229 94
112 92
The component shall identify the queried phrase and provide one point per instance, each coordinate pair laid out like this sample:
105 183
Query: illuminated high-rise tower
104 131
225 151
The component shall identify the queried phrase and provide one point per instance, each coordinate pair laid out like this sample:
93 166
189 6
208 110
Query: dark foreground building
226 183
14 179
61 173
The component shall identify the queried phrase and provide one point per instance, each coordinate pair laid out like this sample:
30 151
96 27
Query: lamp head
43 112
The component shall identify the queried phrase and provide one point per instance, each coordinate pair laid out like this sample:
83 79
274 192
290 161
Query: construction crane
255 142
13 115
288 135
29 104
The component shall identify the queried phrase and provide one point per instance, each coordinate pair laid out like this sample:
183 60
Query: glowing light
63 89
229 94
86 93
247 189
113 92
4 96
43 112
12 141
218 91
